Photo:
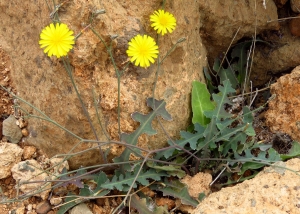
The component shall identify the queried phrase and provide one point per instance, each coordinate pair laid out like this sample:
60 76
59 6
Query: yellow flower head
57 40
142 50
162 22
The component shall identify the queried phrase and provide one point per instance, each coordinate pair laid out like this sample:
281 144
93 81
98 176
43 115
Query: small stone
22 123
28 152
29 207
25 132
43 207
11 130
20 210
81 209
31 212
55 201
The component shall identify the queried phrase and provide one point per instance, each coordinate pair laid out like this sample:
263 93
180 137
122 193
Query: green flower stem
98 116
69 71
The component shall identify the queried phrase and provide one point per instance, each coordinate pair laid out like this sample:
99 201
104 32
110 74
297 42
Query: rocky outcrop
44 82
221 20
274 190
283 114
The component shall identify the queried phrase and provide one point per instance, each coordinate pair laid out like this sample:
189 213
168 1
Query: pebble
25 132
28 152
43 207
80 209
29 207
55 201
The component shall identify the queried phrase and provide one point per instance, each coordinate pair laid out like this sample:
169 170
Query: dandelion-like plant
142 50
163 22
57 40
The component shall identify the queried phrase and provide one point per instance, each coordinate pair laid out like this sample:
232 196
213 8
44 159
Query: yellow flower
142 50
57 40
162 22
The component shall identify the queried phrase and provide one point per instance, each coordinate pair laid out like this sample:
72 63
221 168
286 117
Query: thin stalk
98 116
69 71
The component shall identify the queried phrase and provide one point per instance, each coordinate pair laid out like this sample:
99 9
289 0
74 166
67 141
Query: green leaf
201 196
294 151
178 190
71 201
221 99
122 183
140 204
172 170
254 162
240 52
187 137
200 102
239 138
210 85
226 74
159 109
68 204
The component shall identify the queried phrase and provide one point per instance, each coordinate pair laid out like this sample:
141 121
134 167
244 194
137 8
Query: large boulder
43 81
230 20
283 114
273 190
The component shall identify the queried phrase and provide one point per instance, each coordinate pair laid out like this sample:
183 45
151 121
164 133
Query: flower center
143 51
163 20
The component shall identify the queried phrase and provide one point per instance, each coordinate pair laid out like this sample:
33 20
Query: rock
31 170
198 183
50 89
58 165
281 55
81 209
20 210
29 152
10 154
283 114
55 201
295 5
271 191
222 19
11 130
43 207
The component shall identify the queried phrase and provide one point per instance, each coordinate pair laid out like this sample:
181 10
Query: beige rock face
222 19
271 191
10 154
284 110
44 82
